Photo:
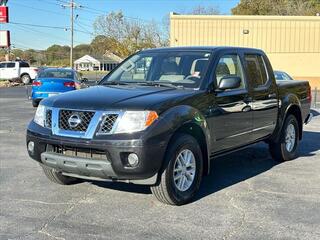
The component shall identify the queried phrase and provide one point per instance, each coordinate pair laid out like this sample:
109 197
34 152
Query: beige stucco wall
291 42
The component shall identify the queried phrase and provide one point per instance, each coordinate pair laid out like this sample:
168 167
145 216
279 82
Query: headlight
40 116
135 121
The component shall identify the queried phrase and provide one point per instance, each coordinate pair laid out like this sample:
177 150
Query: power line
38 9
37 25
52 27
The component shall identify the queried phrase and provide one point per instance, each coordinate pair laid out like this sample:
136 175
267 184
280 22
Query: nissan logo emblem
74 120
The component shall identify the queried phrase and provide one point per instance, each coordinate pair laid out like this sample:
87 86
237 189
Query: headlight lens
40 116
135 121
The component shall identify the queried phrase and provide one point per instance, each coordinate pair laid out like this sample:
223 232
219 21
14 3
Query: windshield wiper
157 84
114 83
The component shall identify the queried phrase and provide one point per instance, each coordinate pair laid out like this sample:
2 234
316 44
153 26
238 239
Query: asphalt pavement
246 196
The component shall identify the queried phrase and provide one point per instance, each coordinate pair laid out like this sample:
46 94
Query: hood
118 97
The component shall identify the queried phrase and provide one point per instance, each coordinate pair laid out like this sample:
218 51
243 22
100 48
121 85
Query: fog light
133 159
31 146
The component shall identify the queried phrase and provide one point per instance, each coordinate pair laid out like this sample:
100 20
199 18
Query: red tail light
36 83
36 69
309 95
69 84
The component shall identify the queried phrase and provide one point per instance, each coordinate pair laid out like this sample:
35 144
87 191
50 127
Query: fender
288 101
182 116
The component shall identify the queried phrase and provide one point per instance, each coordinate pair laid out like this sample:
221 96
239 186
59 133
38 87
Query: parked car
52 81
17 70
161 126
280 75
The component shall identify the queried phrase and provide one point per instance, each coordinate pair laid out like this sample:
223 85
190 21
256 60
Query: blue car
52 81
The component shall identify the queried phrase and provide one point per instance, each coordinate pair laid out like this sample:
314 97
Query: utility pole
72 5
72 19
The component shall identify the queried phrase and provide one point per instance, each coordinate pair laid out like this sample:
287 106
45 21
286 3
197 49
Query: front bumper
115 167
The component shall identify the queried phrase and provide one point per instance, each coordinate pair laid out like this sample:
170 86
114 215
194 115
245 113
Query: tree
277 7
117 34
205 10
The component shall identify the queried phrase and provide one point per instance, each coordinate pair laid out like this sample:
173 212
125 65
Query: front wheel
56 177
181 179
286 148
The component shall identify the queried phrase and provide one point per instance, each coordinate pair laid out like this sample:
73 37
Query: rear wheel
181 179
56 177
25 79
287 147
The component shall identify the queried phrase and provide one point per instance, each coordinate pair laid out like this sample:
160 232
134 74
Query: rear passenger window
256 70
24 64
2 65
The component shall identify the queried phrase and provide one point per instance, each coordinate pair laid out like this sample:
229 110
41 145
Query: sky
51 13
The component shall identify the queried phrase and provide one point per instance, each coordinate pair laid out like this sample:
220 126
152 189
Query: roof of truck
199 48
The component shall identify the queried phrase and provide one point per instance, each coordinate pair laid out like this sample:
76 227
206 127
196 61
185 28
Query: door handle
272 95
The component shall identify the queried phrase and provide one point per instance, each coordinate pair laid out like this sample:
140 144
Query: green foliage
277 7
114 33
117 34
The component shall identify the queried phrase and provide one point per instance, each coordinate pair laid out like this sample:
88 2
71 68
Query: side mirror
84 80
229 82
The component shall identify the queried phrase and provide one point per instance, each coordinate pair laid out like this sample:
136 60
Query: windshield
54 73
185 69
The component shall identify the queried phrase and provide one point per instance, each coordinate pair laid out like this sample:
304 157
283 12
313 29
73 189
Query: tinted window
256 70
229 65
11 65
278 76
2 65
24 64
185 69
53 73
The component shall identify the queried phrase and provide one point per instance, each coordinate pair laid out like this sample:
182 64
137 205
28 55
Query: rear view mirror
229 82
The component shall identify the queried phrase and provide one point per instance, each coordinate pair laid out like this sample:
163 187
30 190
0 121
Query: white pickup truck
17 70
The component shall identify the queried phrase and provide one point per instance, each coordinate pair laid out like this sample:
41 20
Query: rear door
264 94
232 122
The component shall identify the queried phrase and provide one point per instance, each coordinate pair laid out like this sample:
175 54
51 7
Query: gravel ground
246 196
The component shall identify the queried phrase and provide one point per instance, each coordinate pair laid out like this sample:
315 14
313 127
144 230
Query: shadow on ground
231 169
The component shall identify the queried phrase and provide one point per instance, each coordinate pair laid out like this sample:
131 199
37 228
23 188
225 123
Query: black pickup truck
162 115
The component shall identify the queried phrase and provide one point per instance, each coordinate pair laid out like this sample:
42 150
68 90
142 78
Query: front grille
48 118
87 153
108 123
84 116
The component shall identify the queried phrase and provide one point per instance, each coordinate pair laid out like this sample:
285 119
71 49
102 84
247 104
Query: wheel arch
188 120
24 73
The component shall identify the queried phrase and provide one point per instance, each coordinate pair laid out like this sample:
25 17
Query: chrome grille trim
109 122
93 127
85 116
48 120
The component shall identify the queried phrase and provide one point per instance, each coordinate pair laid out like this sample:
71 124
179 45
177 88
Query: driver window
229 65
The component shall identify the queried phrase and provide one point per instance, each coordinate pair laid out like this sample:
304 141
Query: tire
25 79
56 177
35 103
285 149
167 191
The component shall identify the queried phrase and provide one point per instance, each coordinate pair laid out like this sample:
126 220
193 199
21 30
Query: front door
231 123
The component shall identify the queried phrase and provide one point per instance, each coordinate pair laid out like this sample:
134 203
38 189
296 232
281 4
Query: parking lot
246 196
